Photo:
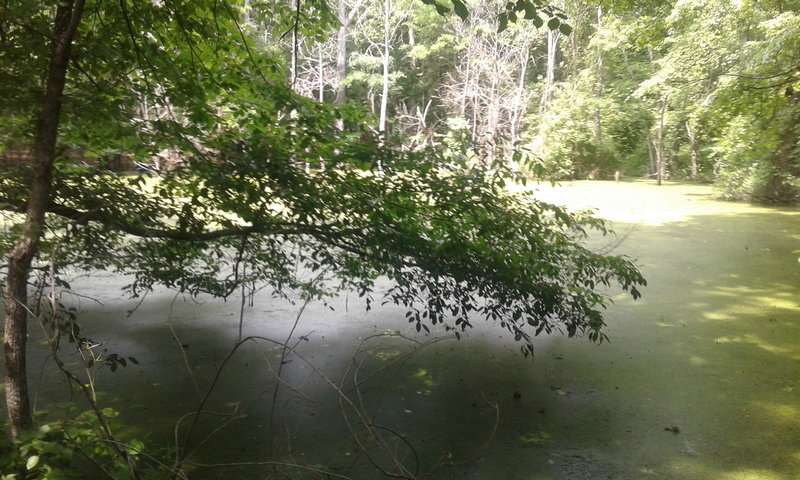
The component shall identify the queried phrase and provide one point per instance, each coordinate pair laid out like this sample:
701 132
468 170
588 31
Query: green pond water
701 379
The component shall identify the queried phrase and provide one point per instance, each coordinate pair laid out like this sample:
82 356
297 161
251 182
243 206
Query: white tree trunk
387 11
547 91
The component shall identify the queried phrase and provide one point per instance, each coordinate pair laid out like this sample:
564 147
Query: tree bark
43 154
547 90
341 53
340 95
387 12
785 160
694 154
598 128
660 154
520 99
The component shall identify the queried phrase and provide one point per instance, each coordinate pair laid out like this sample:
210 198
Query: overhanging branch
83 217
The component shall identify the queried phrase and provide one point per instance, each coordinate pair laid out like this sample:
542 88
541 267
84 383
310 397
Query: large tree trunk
19 261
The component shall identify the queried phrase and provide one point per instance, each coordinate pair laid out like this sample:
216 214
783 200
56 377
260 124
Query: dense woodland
316 147
703 90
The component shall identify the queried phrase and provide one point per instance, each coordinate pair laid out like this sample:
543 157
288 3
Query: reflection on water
700 381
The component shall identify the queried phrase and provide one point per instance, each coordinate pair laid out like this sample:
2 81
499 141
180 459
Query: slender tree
43 154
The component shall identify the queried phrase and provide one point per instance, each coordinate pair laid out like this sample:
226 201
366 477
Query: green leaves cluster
58 450
534 10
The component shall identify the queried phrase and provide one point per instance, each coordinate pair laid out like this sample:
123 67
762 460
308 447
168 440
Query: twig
88 391
271 463
404 440
184 356
306 301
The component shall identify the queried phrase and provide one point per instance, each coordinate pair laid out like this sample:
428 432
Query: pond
701 379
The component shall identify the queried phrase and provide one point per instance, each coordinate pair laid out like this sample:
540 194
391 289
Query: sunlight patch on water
717 316
698 470
779 412
637 203
697 361
751 339
425 377
535 438
754 303
752 474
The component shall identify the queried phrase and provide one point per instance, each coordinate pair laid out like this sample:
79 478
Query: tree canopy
306 194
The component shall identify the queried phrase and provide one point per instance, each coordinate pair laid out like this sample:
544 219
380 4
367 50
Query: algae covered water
701 379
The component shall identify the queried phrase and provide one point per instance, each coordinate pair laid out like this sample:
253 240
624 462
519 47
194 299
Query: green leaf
440 9
530 11
502 22
460 9
565 29
33 460
553 23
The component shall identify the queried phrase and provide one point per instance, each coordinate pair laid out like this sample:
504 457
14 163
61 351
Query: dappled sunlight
779 413
535 438
755 340
697 361
690 468
751 474
718 316
741 303
424 376
759 297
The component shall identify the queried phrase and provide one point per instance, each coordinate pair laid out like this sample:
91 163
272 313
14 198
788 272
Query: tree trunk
660 154
341 54
598 128
520 99
321 71
547 90
411 43
652 167
785 160
19 261
387 12
340 95
296 7
693 143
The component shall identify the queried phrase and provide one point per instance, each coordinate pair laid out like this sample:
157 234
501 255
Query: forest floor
701 379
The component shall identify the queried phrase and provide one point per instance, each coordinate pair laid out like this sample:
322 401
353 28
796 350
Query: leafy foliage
455 242
60 450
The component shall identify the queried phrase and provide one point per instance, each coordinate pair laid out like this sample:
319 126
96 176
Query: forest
700 90
374 149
